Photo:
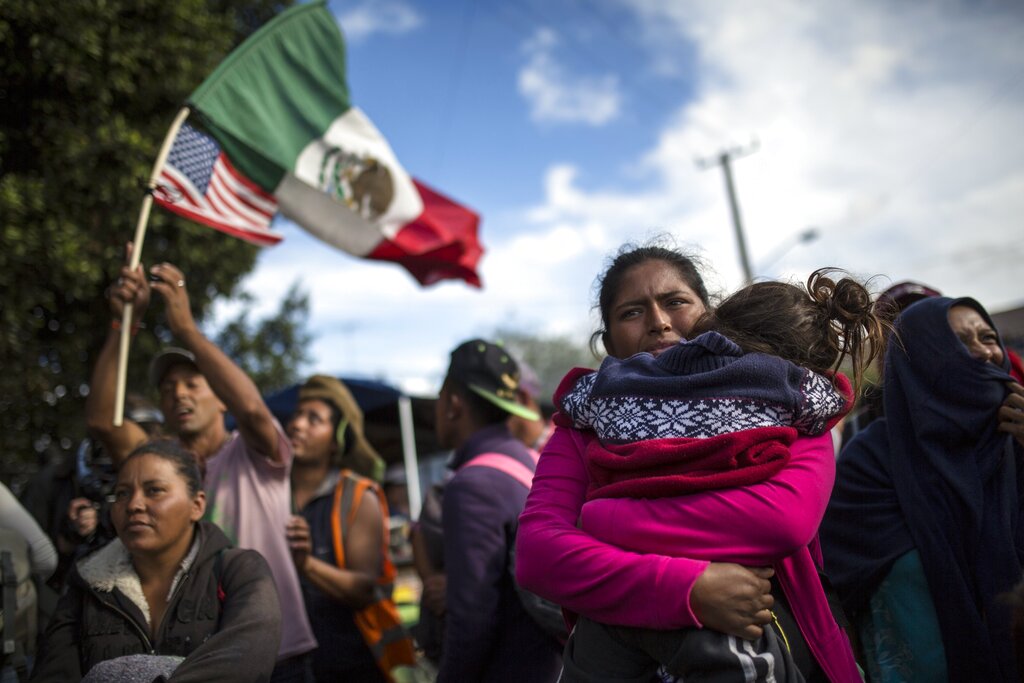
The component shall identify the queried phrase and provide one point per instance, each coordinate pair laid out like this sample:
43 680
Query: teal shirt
900 633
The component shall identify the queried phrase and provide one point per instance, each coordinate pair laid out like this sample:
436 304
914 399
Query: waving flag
199 182
284 137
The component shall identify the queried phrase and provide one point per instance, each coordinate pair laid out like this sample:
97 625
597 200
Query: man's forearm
99 405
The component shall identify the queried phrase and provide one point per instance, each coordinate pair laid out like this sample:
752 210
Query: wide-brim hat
489 371
363 456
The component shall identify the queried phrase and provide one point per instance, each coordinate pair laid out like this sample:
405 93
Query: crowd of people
681 513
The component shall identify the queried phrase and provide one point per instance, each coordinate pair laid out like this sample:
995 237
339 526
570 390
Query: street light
805 236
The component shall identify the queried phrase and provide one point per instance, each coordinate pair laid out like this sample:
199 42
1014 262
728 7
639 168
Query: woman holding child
702 559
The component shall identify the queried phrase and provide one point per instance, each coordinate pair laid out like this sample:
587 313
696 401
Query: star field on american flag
199 182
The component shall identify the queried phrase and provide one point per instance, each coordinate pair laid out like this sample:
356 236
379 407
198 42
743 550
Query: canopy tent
399 426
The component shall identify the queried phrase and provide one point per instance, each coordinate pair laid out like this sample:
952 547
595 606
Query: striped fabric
199 182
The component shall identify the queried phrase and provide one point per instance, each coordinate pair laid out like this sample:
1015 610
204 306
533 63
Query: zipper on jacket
170 601
145 637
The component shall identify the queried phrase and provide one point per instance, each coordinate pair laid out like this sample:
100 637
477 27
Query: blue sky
573 126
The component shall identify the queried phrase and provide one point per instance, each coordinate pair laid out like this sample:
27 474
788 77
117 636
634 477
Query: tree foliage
549 356
87 92
273 350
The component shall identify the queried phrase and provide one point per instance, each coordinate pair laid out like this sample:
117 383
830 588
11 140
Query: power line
455 80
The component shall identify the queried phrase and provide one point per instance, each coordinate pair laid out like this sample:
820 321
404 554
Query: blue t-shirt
900 632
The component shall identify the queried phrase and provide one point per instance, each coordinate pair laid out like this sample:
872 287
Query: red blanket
678 466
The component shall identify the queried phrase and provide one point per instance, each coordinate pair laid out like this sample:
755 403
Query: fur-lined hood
111 566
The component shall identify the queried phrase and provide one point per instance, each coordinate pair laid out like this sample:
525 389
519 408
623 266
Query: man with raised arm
246 471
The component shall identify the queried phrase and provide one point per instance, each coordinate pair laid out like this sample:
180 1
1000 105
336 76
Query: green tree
549 356
87 92
275 350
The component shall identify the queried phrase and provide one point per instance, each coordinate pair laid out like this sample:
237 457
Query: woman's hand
733 599
299 541
1011 414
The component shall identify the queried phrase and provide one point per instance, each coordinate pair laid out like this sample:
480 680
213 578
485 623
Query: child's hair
815 327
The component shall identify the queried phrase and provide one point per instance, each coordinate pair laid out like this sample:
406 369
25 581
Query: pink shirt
249 498
609 576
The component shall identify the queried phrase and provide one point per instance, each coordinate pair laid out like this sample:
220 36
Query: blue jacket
488 635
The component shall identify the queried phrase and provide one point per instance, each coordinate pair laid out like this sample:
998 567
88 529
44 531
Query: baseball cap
490 372
163 361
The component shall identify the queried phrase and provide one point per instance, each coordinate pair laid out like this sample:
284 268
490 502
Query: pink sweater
607 573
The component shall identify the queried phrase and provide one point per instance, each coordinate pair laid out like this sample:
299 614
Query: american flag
199 182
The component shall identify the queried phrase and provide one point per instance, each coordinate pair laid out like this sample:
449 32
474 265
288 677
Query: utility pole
724 159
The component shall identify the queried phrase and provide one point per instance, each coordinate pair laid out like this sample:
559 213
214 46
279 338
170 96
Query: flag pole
133 262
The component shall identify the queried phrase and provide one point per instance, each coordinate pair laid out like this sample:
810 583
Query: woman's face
653 309
981 340
310 430
153 511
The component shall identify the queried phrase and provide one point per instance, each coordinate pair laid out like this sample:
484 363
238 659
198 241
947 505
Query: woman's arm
244 648
753 525
42 554
558 561
354 585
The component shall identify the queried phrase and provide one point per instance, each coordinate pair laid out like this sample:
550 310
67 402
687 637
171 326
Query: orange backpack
380 622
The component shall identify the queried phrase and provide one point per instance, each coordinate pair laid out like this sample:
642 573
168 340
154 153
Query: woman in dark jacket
168 585
924 532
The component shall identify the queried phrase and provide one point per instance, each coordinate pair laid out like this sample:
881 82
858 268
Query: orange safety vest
380 622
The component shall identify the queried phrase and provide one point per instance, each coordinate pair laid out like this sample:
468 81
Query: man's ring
181 283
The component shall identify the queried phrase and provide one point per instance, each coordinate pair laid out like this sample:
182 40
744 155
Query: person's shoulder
489 477
244 563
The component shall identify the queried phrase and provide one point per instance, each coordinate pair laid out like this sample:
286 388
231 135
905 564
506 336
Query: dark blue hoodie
488 635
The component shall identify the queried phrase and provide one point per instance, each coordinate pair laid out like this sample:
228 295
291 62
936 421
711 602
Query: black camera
96 474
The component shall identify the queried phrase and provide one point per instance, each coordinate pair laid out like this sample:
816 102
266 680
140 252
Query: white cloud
893 127
556 96
390 16
885 125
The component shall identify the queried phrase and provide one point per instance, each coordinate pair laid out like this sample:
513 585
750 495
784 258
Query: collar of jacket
111 567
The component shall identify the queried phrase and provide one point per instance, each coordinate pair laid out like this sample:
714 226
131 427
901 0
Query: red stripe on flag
440 244
244 189
232 204
266 239
192 205
253 187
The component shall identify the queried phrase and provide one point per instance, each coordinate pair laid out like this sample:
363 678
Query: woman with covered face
168 585
923 532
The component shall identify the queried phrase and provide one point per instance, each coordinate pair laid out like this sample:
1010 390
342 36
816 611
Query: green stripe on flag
276 92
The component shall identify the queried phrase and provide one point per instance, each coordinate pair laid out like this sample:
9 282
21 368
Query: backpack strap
379 623
507 464
348 494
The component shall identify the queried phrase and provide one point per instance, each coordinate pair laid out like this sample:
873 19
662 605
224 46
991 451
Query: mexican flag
284 137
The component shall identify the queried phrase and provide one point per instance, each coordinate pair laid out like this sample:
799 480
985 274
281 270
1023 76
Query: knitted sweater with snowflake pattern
702 415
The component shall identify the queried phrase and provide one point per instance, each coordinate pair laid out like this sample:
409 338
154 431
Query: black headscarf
935 474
